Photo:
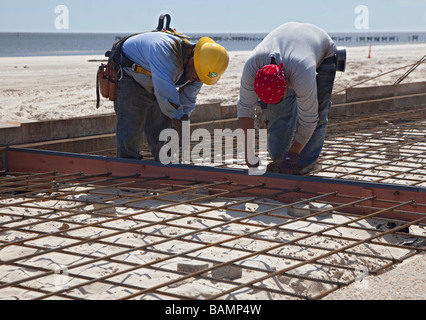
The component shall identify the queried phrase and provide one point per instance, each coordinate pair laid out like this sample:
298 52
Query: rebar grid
384 147
388 148
77 236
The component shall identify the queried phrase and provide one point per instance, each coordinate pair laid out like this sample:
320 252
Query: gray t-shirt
301 47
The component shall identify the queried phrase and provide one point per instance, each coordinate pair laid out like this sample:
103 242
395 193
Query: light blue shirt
154 51
301 47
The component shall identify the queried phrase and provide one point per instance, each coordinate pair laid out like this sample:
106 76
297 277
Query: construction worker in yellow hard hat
162 76
210 60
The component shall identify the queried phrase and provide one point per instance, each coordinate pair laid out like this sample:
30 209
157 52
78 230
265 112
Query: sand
365 287
45 88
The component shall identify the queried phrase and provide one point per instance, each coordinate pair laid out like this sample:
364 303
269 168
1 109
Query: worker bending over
292 72
163 74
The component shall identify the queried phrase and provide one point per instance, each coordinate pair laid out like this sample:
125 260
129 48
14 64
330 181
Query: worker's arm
188 96
184 117
246 105
246 124
305 87
296 147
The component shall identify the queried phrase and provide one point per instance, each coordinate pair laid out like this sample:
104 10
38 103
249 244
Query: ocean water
44 44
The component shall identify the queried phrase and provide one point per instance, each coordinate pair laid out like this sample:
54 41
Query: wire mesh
385 148
79 236
388 148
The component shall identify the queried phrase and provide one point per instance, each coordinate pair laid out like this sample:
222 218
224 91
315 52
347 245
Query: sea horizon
15 44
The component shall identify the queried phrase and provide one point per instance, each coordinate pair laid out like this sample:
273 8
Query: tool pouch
107 79
112 80
103 82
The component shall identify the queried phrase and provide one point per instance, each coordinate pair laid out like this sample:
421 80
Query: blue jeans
283 119
138 114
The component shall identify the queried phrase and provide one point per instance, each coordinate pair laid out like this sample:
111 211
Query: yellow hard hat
210 60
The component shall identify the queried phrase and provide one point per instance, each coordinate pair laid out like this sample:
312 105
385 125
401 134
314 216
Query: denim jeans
138 114
283 119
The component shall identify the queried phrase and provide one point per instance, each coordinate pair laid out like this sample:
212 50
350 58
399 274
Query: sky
212 16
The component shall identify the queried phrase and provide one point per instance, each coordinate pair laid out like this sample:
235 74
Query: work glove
289 163
274 166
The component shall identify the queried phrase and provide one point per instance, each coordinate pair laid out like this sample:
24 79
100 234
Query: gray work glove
289 163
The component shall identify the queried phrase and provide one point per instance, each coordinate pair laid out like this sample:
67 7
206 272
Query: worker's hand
177 124
289 163
274 166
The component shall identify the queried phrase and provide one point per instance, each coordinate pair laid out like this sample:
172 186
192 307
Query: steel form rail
231 220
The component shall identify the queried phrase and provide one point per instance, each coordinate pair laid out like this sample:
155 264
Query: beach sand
45 88
406 281
59 87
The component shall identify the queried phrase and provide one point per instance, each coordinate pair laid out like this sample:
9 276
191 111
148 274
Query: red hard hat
270 83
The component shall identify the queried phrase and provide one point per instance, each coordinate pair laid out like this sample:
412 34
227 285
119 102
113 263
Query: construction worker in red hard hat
162 74
292 73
